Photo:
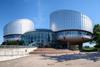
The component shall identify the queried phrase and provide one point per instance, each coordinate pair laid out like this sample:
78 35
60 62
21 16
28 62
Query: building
14 29
69 29
40 37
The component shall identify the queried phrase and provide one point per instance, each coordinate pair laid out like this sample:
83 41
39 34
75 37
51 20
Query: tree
96 33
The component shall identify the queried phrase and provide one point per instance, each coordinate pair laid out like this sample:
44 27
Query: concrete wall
16 51
13 53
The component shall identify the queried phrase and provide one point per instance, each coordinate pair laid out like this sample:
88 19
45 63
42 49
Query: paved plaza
74 60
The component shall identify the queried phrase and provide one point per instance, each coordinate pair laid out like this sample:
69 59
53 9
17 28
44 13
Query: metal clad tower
13 30
71 26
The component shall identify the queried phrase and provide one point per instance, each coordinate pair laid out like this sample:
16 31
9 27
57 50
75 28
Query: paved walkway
52 61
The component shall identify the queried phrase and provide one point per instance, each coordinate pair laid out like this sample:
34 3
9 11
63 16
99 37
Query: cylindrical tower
71 26
14 30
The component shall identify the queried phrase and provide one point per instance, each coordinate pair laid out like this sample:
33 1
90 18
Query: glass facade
40 37
73 33
12 37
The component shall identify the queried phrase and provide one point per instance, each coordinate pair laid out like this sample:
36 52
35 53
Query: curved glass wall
12 37
38 37
73 33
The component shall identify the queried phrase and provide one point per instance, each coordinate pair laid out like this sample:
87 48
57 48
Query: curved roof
19 26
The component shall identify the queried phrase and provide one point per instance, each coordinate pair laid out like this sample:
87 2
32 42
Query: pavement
74 60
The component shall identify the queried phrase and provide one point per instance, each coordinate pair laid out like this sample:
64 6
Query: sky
39 10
